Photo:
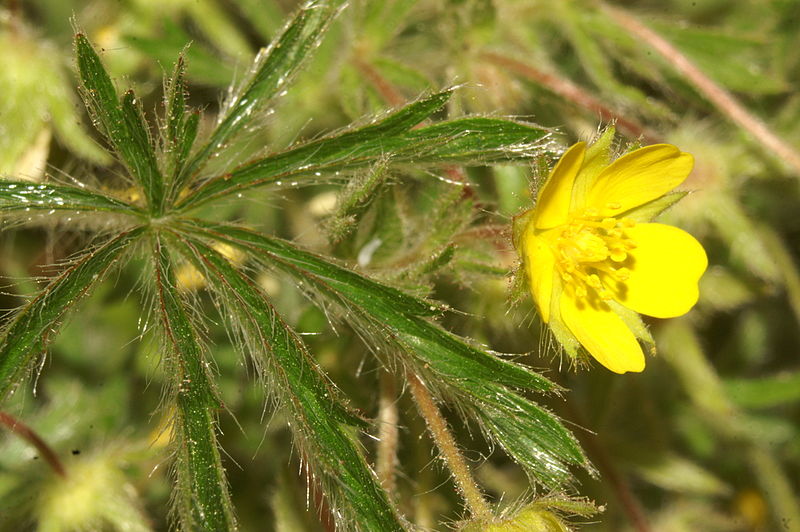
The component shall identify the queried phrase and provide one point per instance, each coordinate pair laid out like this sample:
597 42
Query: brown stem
721 98
386 461
571 92
388 92
26 433
448 448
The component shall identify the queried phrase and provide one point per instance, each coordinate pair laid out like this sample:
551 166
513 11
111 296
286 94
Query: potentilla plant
158 219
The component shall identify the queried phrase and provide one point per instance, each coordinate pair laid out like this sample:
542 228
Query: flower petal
664 269
638 177
540 265
552 206
604 335
596 160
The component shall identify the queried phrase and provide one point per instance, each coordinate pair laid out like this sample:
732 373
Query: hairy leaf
463 141
303 390
473 377
26 196
35 324
202 500
180 129
122 123
530 434
355 148
273 70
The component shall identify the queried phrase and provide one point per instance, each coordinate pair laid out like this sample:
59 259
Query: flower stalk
28 434
388 418
443 438
718 96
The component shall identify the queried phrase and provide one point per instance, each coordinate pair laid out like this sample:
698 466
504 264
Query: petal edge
603 334
553 203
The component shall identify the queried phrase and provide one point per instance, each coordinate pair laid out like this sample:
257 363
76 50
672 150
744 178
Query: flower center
590 249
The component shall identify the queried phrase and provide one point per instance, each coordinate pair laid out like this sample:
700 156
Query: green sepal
647 212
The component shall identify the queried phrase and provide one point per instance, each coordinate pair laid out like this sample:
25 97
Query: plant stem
447 446
571 92
388 418
26 433
388 92
718 96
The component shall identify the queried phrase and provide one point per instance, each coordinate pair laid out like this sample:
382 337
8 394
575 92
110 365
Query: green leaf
401 312
122 123
328 154
180 130
462 141
303 390
35 324
360 290
29 197
273 70
202 499
474 377
175 104
531 435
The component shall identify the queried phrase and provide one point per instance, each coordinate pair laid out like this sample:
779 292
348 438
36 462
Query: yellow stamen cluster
590 245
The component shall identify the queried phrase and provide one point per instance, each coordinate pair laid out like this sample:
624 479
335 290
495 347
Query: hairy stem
718 96
386 461
446 444
26 433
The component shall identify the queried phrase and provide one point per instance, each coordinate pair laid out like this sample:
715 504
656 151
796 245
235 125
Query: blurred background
706 439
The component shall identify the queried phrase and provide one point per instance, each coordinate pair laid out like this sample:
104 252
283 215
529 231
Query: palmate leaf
472 140
202 500
170 176
45 197
122 122
36 323
330 453
479 382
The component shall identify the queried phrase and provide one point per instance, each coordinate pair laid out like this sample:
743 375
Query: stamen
589 245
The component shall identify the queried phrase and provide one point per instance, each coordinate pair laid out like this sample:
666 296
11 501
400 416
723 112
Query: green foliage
169 176
331 218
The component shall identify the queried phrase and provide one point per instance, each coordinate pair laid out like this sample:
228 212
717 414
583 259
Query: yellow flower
593 260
